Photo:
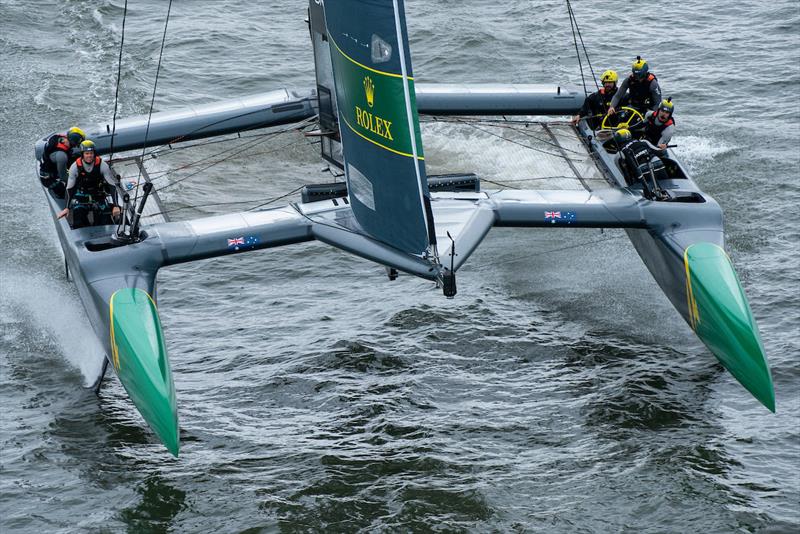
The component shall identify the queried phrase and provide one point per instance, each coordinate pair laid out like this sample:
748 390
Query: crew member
91 189
60 151
642 164
641 87
596 105
659 125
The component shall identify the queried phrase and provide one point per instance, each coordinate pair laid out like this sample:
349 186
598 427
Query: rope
171 184
119 76
585 53
157 150
153 98
517 142
572 23
253 140
508 125
267 200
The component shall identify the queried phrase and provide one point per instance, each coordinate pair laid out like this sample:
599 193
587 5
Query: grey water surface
559 392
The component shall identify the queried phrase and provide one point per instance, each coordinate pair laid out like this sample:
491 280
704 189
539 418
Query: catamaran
366 108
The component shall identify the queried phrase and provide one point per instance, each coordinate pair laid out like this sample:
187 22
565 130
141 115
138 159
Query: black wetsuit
643 94
596 105
643 164
57 157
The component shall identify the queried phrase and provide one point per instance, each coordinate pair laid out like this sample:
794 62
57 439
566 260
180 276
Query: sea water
559 391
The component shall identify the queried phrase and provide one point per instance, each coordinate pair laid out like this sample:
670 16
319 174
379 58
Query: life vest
90 182
56 142
638 151
606 97
599 102
653 131
639 90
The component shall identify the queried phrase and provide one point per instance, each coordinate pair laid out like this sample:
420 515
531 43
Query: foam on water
55 312
695 151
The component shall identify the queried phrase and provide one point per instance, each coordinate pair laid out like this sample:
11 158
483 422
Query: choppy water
559 392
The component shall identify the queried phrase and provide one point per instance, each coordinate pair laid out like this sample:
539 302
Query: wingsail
378 122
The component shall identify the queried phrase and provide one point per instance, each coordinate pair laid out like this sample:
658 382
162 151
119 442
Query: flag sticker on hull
242 242
564 217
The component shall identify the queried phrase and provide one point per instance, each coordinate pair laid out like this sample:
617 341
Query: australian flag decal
560 217
242 243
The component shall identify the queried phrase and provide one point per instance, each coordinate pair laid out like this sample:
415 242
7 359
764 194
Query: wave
54 313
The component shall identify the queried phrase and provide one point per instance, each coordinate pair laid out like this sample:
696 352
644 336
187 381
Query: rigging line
500 184
160 189
180 138
577 52
238 148
520 144
478 120
268 135
157 153
119 76
585 53
520 131
268 200
163 174
293 191
536 179
153 98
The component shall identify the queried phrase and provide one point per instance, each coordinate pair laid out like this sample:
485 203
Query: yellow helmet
87 146
75 136
667 105
609 76
622 136
640 67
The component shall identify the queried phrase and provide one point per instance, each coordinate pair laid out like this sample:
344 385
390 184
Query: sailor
642 163
641 87
60 151
659 125
92 187
596 104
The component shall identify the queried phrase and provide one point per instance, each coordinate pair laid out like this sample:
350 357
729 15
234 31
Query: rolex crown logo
369 90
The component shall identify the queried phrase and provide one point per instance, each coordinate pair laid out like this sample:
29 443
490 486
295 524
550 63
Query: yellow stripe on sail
378 144
381 72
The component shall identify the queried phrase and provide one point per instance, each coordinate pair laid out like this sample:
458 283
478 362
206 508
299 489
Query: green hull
140 359
720 315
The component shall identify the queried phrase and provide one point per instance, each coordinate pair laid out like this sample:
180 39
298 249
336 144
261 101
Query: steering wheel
621 119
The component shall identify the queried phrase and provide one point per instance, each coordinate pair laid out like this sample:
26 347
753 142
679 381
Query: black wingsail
379 125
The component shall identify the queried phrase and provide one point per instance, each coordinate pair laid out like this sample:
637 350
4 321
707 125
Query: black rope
167 147
119 76
262 202
505 123
171 184
252 141
585 53
153 98
562 156
572 23
270 201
